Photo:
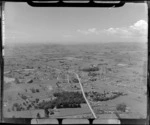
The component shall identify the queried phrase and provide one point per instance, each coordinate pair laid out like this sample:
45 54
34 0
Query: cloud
93 30
138 29
88 31
67 36
82 31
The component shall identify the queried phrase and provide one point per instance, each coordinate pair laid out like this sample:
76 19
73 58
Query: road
84 95
59 71
82 91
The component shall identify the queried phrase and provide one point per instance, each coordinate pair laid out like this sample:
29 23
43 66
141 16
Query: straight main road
84 95
81 89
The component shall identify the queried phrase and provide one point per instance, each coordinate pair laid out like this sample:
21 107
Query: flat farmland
113 77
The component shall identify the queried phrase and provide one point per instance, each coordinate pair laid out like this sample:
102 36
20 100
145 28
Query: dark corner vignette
2 69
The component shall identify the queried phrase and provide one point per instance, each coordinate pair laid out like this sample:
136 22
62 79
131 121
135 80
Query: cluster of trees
104 96
64 100
20 107
37 100
48 112
29 67
30 81
22 96
27 105
75 80
17 107
121 107
93 79
90 69
33 90
93 74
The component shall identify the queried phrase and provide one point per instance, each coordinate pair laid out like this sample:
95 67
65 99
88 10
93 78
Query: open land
108 80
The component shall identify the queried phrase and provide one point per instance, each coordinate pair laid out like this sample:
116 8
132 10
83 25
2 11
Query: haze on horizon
24 24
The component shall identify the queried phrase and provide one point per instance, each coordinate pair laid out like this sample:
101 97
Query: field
113 77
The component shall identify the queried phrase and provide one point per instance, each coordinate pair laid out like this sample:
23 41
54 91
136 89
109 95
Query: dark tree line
103 96
90 69
64 100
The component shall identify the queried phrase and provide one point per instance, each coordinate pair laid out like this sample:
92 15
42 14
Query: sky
24 23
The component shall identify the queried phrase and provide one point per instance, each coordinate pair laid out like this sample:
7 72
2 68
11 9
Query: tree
46 112
33 90
38 115
37 90
23 97
17 81
8 110
121 107
36 100
51 112
75 80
